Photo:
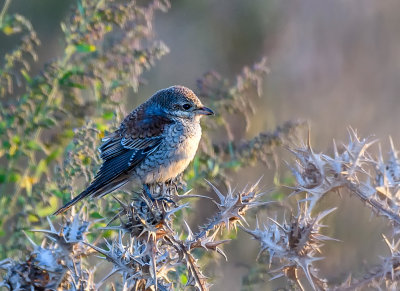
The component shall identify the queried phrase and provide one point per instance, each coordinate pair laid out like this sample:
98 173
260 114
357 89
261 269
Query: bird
153 144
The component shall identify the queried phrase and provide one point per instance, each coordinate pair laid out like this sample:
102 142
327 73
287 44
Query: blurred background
333 63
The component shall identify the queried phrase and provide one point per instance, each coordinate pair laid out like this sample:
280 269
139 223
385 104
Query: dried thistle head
374 180
318 174
144 217
54 264
139 262
293 245
309 171
32 273
232 208
151 251
386 185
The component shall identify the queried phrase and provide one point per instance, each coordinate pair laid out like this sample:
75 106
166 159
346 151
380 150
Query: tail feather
72 202
94 190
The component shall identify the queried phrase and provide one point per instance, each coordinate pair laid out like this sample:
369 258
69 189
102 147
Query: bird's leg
172 184
168 185
146 188
175 184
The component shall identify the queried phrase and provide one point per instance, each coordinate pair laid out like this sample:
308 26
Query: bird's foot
167 200
148 192
146 189
172 186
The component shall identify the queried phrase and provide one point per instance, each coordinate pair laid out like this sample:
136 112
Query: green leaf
183 278
196 165
26 76
3 176
96 215
100 126
3 127
107 233
33 145
16 139
289 180
53 155
215 170
234 164
48 122
85 48
68 133
65 77
8 30
75 85
41 168
58 193
230 149
108 115
21 200
14 177
6 144
278 196
91 237
86 160
80 8
33 218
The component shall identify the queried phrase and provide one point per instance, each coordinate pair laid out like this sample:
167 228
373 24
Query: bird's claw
147 190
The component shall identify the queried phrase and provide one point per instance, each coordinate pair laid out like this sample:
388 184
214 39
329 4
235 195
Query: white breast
175 154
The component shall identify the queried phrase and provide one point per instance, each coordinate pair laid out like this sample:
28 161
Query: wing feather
138 136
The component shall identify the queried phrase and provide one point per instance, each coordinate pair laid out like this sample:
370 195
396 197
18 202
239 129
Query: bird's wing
136 133
138 136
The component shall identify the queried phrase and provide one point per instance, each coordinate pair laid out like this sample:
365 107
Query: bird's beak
204 111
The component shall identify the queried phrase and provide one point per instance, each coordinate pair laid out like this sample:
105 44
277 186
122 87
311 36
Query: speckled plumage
154 143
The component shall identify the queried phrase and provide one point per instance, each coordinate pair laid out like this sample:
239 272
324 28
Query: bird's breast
174 154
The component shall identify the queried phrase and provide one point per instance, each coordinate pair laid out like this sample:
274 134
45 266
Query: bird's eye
186 106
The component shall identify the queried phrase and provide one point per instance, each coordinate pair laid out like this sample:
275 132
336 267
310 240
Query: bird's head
181 102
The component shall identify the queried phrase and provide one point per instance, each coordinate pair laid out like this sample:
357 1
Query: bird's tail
72 202
94 190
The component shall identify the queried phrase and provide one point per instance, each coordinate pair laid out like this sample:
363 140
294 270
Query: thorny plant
108 45
149 253
294 245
